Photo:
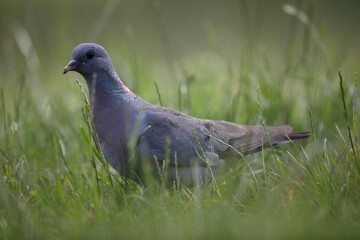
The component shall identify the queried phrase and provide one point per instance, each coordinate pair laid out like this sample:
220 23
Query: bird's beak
70 66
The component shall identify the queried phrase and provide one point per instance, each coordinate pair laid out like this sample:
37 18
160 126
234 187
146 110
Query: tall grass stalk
277 160
94 144
158 94
347 122
204 158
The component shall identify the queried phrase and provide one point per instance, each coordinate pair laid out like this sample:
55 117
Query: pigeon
192 147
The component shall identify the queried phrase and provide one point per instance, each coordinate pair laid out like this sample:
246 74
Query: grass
55 184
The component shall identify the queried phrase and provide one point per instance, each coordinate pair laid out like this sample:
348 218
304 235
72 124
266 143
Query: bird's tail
291 137
248 139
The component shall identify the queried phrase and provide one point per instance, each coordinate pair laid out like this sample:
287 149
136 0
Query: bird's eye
90 54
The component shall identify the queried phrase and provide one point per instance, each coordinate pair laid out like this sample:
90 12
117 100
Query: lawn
249 62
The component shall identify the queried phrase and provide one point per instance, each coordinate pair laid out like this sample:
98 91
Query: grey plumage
119 114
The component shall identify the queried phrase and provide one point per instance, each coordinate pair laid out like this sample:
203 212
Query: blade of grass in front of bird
277 160
215 186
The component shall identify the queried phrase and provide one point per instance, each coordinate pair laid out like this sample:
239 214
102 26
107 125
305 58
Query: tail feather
248 139
292 137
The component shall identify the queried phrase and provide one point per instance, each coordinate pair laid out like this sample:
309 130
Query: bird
193 147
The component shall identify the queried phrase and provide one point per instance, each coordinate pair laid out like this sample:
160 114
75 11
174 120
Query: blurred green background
218 43
210 59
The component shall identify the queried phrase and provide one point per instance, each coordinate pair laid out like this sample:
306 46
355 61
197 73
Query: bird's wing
177 128
217 138
244 138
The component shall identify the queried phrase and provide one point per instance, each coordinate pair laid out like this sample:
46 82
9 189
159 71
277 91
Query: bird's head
89 59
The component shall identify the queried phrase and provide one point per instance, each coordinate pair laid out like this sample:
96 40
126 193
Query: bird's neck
107 88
